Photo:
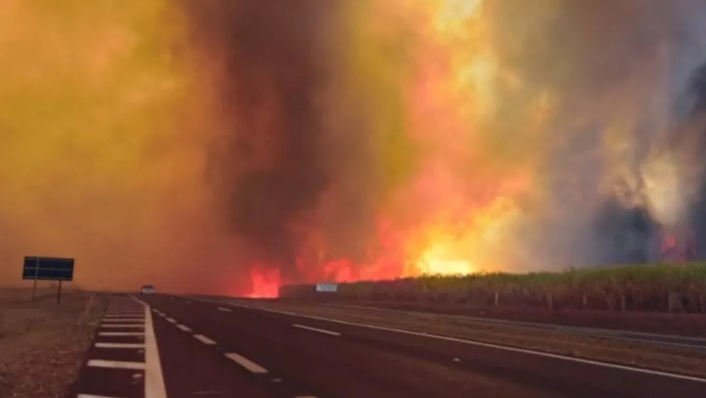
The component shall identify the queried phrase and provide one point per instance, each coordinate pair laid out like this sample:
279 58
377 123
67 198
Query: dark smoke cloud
697 213
273 80
625 231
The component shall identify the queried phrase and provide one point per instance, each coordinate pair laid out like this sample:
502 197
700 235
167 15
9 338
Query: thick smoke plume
229 146
102 154
457 136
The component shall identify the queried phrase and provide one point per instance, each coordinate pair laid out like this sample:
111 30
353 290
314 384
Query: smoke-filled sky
226 146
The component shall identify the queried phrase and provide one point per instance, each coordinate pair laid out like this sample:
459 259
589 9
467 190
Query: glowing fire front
490 117
341 140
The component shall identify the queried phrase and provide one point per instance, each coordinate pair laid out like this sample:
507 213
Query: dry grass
43 344
671 359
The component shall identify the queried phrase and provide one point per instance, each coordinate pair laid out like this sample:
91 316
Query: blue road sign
48 269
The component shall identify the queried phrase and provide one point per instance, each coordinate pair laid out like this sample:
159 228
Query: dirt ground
43 344
673 359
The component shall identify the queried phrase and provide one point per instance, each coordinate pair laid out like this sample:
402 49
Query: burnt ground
43 344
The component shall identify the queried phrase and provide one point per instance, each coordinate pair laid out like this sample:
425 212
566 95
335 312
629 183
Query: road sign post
34 288
48 269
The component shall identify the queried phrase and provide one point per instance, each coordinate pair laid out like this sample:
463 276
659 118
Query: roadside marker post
48 269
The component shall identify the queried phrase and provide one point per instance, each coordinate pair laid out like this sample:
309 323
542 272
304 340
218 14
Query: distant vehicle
147 289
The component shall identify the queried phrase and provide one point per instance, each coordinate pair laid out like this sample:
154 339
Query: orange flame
678 247
265 283
482 127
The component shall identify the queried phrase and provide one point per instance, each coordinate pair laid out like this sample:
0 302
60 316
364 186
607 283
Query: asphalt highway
649 338
182 347
285 355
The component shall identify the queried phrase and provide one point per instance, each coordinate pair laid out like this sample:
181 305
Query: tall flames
511 131
231 146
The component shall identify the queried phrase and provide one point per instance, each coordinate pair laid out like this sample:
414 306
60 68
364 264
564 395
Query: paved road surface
214 350
650 338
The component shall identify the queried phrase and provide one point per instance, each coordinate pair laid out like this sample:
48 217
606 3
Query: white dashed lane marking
246 363
184 328
204 339
329 332
224 309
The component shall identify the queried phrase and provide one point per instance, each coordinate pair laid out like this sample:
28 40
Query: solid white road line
330 333
246 363
171 320
184 328
224 309
124 320
100 363
119 345
128 326
154 378
490 345
204 339
121 333
119 313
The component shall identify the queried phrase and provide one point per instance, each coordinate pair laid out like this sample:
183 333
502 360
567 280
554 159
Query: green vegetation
659 287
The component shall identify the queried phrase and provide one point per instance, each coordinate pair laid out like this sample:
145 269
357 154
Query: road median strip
101 363
120 345
122 334
126 326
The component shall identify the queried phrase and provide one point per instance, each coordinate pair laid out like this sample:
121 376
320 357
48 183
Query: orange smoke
487 126
233 146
